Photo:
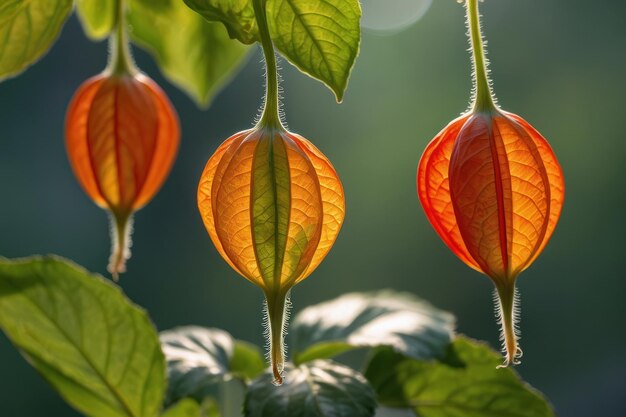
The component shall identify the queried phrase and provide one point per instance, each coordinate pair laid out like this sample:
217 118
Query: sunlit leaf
28 28
404 322
317 389
97 349
98 17
194 54
320 37
465 383
200 360
236 15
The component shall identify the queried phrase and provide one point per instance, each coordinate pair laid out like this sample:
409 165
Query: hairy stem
120 59
483 96
270 116
507 307
277 312
121 229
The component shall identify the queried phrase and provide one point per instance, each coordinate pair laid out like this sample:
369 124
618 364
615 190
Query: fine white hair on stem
267 331
510 358
279 80
121 242
470 49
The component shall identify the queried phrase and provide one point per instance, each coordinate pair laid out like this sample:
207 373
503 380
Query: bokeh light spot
390 16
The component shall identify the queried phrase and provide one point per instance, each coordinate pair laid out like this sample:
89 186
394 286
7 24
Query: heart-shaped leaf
317 389
200 360
96 348
196 55
28 29
98 17
404 322
465 383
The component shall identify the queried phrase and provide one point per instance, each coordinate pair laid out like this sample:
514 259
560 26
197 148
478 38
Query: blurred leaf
84 337
236 15
28 29
465 384
184 408
317 389
201 360
194 54
385 318
210 408
98 17
246 360
320 37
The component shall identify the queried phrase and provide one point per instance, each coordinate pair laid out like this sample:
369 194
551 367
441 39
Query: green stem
277 305
483 96
121 228
506 296
271 115
120 59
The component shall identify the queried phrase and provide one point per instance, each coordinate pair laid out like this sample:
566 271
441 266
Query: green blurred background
560 64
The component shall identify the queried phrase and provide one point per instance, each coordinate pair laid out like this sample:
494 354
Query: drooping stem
121 229
483 96
120 59
507 307
271 115
277 313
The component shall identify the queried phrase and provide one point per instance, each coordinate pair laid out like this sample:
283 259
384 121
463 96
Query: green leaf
183 408
201 360
385 318
465 384
317 389
194 54
246 361
96 348
320 37
98 17
236 15
28 28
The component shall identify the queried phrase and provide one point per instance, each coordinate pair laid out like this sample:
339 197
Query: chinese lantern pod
122 137
273 206
493 190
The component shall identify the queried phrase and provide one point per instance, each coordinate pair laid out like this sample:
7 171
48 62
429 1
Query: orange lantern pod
122 136
272 204
493 190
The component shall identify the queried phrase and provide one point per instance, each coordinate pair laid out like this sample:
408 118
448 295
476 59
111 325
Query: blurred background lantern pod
122 137
493 190
272 204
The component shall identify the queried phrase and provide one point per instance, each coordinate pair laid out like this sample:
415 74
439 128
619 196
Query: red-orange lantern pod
493 190
122 136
